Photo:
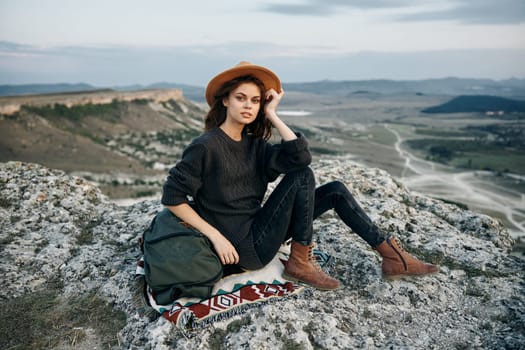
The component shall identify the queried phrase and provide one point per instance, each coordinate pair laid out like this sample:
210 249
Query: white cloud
129 41
465 11
476 12
120 65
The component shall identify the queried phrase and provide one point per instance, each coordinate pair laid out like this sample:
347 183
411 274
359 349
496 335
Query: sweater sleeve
185 178
287 156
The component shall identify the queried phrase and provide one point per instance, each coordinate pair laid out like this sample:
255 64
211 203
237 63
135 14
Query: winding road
477 189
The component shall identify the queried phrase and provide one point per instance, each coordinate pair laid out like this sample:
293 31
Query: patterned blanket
232 294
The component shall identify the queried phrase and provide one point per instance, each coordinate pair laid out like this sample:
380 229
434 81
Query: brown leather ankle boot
396 261
302 266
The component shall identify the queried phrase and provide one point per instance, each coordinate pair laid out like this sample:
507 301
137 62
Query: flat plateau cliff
99 132
59 232
12 104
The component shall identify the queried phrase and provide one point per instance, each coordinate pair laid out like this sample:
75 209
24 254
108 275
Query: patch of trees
443 150
76 112
440 153
506 135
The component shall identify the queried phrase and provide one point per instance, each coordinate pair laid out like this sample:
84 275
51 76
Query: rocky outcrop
120 138
57 227
12 104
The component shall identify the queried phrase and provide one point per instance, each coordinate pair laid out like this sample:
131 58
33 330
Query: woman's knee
337 187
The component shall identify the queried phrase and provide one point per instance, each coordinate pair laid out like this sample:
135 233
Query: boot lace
398 244
312 259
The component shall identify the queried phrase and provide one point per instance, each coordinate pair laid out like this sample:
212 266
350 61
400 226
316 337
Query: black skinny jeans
294 204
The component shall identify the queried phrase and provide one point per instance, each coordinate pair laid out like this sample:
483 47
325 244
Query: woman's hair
260 127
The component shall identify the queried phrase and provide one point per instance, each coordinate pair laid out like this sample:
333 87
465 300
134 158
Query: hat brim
269 79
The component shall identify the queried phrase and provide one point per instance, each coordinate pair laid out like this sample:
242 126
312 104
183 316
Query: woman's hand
272 101
225 250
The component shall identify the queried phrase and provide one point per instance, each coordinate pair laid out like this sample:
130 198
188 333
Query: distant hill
511 88
33 89
478 103
98 132
191 92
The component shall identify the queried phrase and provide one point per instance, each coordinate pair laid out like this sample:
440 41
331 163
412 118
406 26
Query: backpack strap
140 241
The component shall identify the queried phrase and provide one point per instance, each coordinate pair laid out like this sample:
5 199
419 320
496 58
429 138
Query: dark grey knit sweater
228 179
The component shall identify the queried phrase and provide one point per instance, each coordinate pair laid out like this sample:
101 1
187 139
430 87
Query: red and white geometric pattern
218 304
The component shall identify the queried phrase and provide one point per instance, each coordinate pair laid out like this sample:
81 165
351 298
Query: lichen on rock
58 227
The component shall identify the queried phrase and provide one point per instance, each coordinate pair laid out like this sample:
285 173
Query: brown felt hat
266 76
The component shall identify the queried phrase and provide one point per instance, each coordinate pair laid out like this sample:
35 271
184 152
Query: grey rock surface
53 225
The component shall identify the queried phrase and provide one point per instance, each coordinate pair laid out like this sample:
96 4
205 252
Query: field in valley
471 159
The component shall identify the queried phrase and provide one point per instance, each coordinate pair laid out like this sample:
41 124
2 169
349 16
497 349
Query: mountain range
512 88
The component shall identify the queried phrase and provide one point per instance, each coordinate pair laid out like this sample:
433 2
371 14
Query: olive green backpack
178 260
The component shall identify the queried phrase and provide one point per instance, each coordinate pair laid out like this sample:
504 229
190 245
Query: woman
219 184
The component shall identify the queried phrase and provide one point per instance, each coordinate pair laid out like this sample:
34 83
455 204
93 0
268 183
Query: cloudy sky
119 42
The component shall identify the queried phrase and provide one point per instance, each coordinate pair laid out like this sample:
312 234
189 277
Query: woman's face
243 103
